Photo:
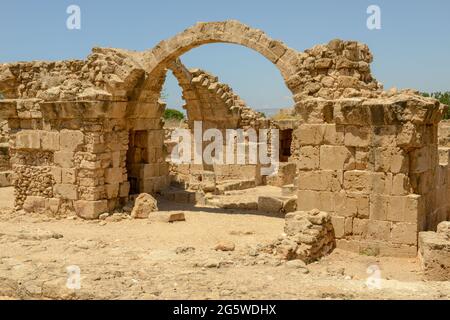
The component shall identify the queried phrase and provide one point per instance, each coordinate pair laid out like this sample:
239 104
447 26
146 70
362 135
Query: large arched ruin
80 129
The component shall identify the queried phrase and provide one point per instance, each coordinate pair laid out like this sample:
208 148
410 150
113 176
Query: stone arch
211 101
155 61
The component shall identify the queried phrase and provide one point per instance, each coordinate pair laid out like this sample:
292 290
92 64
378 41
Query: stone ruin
86 134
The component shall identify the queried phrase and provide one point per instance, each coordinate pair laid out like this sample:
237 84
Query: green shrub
443 97
170 114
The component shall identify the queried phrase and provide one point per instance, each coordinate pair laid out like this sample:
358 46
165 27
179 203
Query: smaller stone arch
211 101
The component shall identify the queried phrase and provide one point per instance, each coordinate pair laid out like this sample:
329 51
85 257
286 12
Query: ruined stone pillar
371 163
72 156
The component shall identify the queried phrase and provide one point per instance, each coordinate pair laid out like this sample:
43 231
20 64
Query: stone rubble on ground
144 205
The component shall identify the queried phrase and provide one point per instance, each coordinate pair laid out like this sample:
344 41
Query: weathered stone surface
309 236
270 204
168 217
434 254
225 246
90 210
94 134
143 206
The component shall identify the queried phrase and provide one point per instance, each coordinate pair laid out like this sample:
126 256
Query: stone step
181 196
231 185
232 203
279 205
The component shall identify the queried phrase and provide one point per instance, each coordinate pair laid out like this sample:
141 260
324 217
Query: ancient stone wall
217 106
5 166
373 164
443 181
85 133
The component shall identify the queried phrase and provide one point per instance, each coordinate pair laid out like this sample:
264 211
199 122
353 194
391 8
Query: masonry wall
5 167
82 130
443 176
371 162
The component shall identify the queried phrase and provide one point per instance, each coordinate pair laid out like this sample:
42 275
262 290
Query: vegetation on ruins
443 97
283 114
170 114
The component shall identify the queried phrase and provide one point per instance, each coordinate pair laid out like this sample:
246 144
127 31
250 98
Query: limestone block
339 226
90 210
149 171
357 181
34 204
389 159
384 136
310 134
420 160
53 205
92 193
167 217
400 185
348 204
66 191
124 190
308 158
143 206
112 190
50 140
356 136
405 209
63 159
56 174
290 205
380 182
116 159
324 180
269 204
113 175
336 158
6 179
434 255
404 233
360 227
379 206
68 176
379 230
444 228
70 140
307 200
333 135
28 139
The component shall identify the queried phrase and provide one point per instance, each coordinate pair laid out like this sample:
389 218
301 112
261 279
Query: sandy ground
139 259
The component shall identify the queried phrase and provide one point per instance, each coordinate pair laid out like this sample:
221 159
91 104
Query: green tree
443 97
170 114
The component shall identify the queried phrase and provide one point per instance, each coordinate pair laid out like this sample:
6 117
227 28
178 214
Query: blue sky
412 49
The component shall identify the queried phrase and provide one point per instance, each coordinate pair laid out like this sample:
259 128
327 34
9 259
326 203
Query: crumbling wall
308 237
5 167
216 106
434 253
81 129
4 149
443 178
372 163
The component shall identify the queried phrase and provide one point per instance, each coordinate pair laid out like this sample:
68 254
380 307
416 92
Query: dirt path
136 259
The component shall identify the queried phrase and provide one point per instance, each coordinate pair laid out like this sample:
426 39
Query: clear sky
412 50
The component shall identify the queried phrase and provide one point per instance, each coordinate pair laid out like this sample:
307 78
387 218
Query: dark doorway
285 144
